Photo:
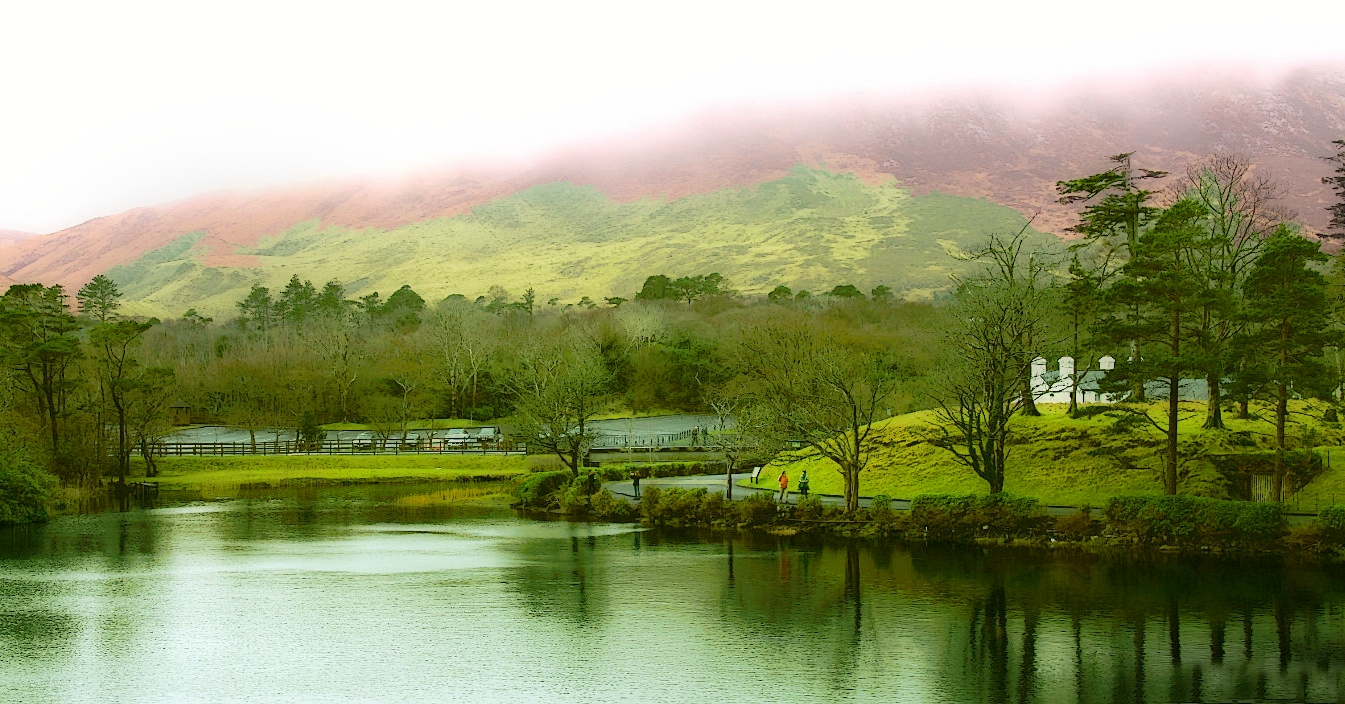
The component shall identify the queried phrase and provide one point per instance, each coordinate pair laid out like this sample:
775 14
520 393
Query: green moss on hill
811 230
1067 461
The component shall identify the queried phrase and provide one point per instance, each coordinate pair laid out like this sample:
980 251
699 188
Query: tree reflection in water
1040 627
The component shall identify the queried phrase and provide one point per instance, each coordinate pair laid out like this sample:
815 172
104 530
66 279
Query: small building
1054 386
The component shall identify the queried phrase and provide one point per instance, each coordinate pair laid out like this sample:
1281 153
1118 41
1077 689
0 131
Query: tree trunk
1281 413
1029 400
851 490
123 441
1214 414
1170 461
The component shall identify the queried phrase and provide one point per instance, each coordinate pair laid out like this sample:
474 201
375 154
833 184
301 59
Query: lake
386 594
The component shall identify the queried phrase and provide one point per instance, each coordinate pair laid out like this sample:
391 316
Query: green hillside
1075 461
810 230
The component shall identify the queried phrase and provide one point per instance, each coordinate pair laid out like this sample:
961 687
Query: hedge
962 517
1191 521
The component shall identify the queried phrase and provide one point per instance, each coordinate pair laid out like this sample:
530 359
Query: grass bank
1060 460
290 470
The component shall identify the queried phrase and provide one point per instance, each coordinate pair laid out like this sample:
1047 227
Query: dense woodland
1197 275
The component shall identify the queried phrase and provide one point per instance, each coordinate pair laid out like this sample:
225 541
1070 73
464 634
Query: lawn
1076 461
256 470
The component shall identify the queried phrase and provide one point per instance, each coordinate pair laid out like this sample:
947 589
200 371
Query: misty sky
105 106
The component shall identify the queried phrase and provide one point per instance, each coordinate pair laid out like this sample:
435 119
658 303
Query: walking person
784 487
803 484
635 481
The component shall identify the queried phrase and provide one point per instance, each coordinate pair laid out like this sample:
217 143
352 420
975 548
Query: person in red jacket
784 487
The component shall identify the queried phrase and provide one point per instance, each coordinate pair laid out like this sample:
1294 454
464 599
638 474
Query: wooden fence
391 446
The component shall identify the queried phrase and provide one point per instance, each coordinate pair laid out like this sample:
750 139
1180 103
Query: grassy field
1067 461
233 472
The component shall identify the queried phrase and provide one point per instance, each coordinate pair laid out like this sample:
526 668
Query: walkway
715 483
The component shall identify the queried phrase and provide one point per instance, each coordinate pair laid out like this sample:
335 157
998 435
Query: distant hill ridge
629 196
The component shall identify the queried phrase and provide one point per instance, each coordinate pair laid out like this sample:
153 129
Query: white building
1053 386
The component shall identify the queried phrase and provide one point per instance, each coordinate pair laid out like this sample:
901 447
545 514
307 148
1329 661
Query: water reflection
416 599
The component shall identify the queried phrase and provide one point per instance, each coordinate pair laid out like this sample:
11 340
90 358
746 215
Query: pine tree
1286 299
1337 184
1118 210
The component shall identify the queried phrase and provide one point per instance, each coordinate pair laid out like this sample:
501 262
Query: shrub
880 509
610 508
674 507
1189 521
649 501
536 490
758 509
683 469
24 489
809 508
1331 522
947 517
571 499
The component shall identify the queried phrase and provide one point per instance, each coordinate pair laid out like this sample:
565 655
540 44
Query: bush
1331 522
536 490
957 518
574 499
1189 521
24 489
809 508
678 469
880 509
610 508
672 507
758 509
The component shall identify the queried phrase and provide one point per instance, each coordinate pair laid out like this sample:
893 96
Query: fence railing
390 446
686 438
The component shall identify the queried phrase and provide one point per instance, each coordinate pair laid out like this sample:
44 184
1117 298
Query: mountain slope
812 229
1008 150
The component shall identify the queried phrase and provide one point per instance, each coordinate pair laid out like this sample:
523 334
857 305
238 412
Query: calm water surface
379 595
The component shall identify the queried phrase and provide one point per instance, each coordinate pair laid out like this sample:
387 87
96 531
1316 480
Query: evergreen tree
99 299
1286 300
1337 184
297 302
1117 211
257 310
1156 298
846 291
657 288
332 300
38 345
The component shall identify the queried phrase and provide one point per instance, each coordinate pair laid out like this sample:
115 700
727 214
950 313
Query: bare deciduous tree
1003 316
560 387
813 387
